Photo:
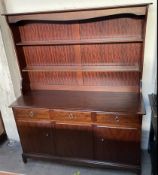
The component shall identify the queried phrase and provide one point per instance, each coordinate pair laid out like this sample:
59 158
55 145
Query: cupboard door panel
36 137
119 145
74 140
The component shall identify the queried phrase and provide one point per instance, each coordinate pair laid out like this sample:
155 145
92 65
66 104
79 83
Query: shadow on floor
10 160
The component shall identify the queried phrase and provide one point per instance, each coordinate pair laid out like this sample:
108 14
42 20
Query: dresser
81 72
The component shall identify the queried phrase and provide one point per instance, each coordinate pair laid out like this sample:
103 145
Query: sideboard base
83 162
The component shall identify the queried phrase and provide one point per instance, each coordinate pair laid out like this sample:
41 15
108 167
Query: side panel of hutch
81 81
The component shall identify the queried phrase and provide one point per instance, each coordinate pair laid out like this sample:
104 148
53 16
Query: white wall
9 78
15 6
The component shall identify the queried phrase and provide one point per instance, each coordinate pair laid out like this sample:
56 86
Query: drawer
59 115
32 113
115 119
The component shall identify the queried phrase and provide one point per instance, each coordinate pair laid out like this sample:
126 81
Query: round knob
117 118
71 116
47 135
102 139
31 114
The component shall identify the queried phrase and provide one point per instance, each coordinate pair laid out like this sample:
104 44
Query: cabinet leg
24 158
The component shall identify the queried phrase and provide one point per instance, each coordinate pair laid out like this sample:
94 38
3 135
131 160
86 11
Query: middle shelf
83 68
121 39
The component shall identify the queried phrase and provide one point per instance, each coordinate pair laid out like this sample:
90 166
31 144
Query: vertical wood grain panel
128 54
53 78
47 55
47 31
111 79
78 54
127 25
114 26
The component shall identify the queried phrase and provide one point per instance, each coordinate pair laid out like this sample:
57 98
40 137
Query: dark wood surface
83 41
77 44
36 137
83 101
84 68
117 145
74 140
81 80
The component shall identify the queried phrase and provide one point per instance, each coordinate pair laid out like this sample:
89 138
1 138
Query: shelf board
83 68
82 41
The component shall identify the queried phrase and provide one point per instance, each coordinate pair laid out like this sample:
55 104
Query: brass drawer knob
47 135
71 117
102 139
117 118
31 114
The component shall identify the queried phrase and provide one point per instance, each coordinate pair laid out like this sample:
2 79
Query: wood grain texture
84 68
31 114
126 121
114 144
101 28
36 137
53 78
111 53
82 41
47 31
123 45
77 15
74 140
81 72
128 103
90 54
120 89
105 79
111 79
50 55
70 116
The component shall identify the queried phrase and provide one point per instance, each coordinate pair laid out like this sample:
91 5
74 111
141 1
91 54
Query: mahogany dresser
81 81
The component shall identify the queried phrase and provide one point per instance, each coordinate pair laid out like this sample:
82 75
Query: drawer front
32 113
70 116
115 119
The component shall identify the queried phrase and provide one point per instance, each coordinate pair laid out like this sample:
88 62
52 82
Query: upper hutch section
85 50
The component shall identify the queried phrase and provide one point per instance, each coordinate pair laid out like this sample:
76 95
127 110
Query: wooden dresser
81 81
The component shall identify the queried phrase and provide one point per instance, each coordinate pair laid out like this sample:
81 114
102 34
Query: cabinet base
83 162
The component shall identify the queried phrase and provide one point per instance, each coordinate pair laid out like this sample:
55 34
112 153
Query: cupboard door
118 145
74 140
36 137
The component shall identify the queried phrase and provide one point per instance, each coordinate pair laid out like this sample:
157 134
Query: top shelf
82 41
